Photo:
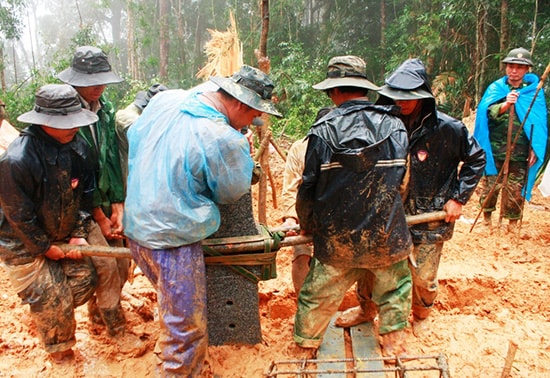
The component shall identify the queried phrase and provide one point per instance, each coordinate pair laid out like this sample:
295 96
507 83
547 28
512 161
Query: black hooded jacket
46 193
446 162
349 198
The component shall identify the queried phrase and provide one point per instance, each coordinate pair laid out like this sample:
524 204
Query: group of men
363 167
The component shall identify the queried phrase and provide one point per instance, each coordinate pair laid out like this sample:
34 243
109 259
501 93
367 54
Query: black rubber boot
114 320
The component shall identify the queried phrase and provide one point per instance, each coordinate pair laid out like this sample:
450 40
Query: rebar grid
399 365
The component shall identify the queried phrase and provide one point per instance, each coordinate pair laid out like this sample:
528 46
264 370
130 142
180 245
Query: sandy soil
494 290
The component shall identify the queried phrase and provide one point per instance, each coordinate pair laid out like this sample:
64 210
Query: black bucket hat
89 67
251 87
408 82
143 97
58 106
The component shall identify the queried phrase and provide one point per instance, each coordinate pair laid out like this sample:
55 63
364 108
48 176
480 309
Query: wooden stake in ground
512 348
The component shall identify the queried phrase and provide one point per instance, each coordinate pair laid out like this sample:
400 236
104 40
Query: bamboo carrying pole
236 247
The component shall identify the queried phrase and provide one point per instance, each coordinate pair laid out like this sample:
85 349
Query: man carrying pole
511 100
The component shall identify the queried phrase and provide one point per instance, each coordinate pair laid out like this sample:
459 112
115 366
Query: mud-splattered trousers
112 275
424 274
58 288
423 265
512 198
179 277
326 285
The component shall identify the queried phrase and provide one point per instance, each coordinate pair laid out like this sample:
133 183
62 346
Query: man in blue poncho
511 96
186 156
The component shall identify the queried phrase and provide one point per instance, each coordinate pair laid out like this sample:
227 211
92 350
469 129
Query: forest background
461 42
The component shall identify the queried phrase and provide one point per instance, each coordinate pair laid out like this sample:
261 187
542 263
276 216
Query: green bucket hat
346 71
519 56
250 86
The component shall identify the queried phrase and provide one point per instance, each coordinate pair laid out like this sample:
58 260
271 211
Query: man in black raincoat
46 195
445 165
349 200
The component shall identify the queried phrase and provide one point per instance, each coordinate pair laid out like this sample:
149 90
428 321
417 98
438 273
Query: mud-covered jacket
438 147
349 198
445 161
46 191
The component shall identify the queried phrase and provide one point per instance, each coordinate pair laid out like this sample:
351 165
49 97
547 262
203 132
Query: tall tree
10 29
164 39
504 27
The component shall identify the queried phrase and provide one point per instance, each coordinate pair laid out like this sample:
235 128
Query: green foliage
10 18
298 101
20 99
303 35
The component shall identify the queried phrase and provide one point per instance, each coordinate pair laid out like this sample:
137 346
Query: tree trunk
481 50
504 29
382 34
181 34
133 69
263 130
164 39
2 68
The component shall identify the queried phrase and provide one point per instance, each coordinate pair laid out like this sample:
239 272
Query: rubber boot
114 320
93 312
487 219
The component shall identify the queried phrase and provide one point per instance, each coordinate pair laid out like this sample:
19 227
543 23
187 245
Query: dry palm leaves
224 52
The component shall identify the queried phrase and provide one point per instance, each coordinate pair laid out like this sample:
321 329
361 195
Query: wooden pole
506 165
238 244
512 348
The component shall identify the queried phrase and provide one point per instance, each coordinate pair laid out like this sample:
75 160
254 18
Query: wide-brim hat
143 97
250 86
58 106
408 82
403 95
519 56
89 67
346 71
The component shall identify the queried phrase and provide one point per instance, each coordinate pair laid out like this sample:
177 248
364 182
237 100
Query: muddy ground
494 291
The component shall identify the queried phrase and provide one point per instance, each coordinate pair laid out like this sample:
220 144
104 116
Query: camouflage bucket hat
519 56
58 106
346 71
250 86
89 67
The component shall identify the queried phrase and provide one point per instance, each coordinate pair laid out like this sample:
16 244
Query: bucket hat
408 82
58 106
89 67
346 71
519 56
143 97
250 86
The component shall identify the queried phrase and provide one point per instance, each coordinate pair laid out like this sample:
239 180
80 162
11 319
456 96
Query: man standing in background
89 74
499 116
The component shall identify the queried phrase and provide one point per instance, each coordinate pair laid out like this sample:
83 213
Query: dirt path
494 289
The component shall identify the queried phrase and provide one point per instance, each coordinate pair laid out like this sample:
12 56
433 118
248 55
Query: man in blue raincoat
514 91
187 156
